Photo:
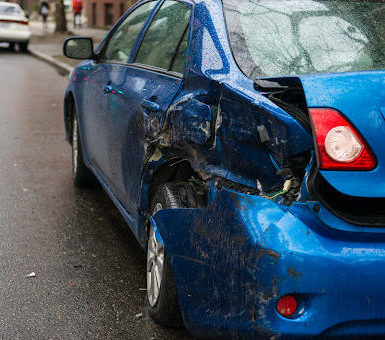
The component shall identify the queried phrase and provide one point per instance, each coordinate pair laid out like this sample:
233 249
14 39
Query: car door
142 93
96 117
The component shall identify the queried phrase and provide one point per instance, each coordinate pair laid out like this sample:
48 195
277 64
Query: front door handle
108 89
151 106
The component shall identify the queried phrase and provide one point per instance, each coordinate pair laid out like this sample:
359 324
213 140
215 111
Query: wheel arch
174 170
167 171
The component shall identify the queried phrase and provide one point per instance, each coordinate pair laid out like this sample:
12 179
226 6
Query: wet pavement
90 272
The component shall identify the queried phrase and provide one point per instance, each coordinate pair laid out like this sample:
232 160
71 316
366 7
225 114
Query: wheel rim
155 264
75 150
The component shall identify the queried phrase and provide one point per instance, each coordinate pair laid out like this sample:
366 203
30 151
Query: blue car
243 141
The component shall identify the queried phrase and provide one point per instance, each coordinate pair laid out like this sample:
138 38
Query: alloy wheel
75 149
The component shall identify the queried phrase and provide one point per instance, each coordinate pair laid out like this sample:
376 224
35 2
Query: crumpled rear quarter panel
235 258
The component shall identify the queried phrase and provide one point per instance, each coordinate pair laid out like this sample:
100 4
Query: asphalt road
90 272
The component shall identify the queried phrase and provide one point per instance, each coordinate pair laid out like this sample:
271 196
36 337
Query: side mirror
79 48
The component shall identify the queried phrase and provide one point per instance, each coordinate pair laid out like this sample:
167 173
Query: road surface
90 272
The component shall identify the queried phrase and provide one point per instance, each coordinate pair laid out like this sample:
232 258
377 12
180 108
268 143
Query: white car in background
14 26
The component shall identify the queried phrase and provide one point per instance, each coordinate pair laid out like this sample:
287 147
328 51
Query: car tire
23 47
11 46
81 175
163 306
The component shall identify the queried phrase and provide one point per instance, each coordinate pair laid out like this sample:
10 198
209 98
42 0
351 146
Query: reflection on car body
242 141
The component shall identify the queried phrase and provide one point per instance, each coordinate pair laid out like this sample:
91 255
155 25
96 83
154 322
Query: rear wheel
82 176
23 47
162 300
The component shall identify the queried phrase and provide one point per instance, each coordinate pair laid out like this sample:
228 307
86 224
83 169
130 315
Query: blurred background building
96 13
104 13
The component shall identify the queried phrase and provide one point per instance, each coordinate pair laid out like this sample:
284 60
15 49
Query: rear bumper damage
235 258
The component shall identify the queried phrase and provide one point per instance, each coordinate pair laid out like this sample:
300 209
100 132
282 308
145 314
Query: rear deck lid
10 14
360 96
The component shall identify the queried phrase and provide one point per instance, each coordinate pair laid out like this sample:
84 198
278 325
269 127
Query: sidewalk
48 46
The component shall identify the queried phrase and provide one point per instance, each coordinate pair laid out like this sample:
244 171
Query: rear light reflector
339 145
22 22
287 305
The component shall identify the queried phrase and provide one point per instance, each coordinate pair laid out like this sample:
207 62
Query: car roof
8 4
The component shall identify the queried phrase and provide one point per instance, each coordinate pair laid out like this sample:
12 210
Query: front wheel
81 175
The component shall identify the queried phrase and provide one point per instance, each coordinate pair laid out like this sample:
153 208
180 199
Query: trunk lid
7 21
360 96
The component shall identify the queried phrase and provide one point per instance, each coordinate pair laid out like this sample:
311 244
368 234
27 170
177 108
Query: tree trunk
60 17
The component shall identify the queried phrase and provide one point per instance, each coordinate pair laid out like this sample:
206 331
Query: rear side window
165 43
123 39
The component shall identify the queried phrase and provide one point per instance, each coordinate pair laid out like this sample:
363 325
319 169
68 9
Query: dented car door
142 93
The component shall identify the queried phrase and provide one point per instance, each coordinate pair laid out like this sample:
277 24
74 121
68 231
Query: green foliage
36 7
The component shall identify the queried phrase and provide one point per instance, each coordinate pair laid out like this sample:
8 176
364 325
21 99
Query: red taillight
339 145
287 305
21 22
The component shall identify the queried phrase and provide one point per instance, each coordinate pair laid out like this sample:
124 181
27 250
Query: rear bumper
234 259
18 36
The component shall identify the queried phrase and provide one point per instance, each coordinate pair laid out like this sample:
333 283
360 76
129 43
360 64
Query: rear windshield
10 10
293 37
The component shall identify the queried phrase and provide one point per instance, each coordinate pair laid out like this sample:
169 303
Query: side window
121 42
179 60
165 42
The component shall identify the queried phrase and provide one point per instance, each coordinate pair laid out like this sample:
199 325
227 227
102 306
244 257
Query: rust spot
269 252
240 204
294 274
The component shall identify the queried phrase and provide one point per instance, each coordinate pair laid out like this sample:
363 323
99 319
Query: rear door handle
108 89
151 105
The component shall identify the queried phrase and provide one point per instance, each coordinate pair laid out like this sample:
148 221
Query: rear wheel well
176 171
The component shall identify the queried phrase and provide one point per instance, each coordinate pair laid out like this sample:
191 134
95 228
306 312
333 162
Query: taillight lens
339 145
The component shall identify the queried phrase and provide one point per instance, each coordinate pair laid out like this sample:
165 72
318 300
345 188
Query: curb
62 67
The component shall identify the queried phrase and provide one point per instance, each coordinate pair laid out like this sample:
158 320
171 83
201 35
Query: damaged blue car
243 141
